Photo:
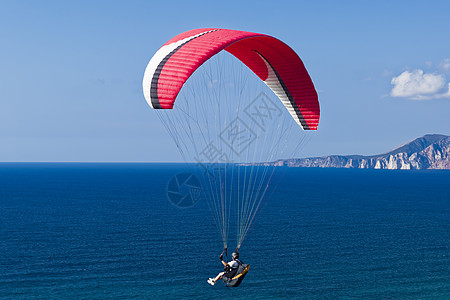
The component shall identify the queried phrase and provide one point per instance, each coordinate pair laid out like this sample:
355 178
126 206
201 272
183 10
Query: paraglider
227 128
234 271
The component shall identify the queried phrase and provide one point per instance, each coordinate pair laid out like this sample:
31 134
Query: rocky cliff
431 151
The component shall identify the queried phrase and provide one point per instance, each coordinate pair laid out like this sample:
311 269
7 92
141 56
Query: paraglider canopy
271 60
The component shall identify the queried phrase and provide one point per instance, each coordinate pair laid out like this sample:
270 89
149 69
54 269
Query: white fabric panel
274 84
154 62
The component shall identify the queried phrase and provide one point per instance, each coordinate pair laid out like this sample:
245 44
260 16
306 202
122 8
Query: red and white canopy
270 59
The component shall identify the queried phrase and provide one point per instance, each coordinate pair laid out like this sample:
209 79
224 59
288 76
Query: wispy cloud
418 85
445 65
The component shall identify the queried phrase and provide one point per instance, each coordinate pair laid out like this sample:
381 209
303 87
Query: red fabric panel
181 64
189 57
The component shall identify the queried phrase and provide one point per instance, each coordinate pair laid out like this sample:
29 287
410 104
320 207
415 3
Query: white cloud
417 85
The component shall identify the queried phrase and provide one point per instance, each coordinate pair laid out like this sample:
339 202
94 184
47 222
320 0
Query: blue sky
71 72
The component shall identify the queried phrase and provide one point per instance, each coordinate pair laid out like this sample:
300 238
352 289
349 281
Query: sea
110 231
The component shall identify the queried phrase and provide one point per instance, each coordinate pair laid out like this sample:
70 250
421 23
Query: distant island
431 151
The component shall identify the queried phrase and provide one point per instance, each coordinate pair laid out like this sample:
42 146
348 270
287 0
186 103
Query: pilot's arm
222 261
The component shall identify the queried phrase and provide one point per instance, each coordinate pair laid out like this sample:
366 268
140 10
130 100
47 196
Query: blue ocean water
96 231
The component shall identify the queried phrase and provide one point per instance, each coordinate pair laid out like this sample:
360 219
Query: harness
236 275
